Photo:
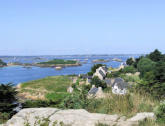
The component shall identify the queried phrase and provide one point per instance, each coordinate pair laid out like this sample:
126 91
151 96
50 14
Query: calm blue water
19 74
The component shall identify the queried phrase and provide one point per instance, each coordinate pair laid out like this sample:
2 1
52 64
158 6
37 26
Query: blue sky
53 27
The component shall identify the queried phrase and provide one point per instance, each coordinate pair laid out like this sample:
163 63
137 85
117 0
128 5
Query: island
2 64
117 60
100 61
58 63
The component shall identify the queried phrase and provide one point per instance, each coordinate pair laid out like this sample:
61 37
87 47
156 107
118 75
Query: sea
20 74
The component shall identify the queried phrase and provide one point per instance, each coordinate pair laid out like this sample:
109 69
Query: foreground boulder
57 117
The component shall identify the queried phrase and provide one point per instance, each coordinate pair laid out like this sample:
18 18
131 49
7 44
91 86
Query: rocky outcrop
57 117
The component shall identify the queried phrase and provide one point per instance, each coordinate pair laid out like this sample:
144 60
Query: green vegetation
152 81
51 88
98 83
129 69
59 61
148 122
52 83
7 97
130 61
2 63
127 105
160 112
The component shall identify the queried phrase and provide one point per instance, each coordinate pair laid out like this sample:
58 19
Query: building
118 85
120 88
101 72
95 92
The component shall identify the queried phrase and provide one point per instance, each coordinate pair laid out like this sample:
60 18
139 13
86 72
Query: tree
130 61
7 97
93 69
145 65
2 63
137 61
98 83
160 71
156 56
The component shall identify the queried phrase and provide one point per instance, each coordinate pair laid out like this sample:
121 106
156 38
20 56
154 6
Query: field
46 88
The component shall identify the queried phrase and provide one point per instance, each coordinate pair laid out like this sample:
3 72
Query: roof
118 80
102 74
85 76
121 85
93 90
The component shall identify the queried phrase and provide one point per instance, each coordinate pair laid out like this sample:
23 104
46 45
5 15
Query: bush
129 69
73 101
98 83
160 112
4 117
38 103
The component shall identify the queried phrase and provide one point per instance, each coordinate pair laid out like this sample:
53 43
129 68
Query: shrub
38 103
129 69
98 83
160 112
4 117
73 101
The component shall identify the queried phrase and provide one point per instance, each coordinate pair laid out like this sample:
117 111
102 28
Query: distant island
52 63
100 61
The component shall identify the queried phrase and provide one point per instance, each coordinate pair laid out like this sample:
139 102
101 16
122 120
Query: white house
119 88
101 72
118 85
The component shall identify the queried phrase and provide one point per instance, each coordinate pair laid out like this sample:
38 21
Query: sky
67 27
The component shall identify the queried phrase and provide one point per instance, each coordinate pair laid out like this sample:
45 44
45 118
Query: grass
59 61
131 78
125 105
50 87
149 122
